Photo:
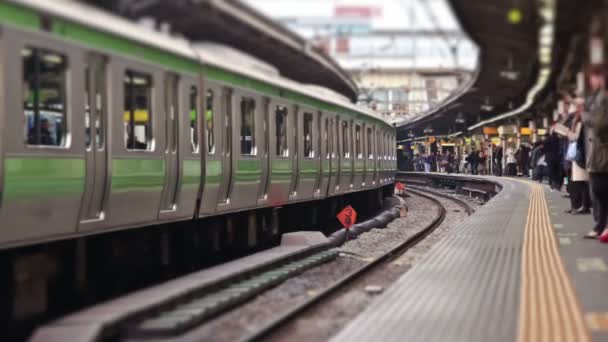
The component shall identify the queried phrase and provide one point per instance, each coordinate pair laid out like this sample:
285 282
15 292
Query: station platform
516 270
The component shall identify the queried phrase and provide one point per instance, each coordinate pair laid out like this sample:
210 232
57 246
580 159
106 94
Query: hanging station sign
490 130
525 131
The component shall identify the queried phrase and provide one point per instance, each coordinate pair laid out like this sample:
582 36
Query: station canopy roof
235 24
509 65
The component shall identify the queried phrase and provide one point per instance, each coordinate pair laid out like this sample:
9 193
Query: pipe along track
290 315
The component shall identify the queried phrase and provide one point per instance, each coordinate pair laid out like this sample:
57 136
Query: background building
403 67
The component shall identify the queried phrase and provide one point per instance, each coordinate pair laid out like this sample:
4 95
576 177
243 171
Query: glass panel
138 111
345 146
87 107
370 153
282 149
358 151
209 122
247 126
44 96
100 83
308 146
326 137
193 119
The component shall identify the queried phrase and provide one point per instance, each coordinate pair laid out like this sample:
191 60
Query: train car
107 126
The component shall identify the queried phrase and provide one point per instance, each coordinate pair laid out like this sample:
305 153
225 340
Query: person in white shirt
511 162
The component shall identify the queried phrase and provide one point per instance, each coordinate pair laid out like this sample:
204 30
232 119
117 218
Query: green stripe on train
248 171
22 16
213 172
34 178
138 175
18 15
110 42
192 174
309 169
281 170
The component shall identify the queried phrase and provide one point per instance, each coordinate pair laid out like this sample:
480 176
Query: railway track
188 312
280 322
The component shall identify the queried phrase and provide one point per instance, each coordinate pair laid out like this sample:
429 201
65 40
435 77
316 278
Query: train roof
205 53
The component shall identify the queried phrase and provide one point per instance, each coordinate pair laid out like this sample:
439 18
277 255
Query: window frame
150 143
286 153
213 106
344 131
195 143
357 141
66 113
310 143
254 100
369 131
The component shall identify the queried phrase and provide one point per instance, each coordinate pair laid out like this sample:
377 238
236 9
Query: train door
308 162
247 140
281 137
96 153
264 152
322 148
43 169
346 161
171 148
227 151
334 155
216 103
293 190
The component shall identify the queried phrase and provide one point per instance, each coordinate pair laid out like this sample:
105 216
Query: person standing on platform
595 131
524 156
511 162
534 155
553 159
578 184
472 160
498 161
427 163
450 159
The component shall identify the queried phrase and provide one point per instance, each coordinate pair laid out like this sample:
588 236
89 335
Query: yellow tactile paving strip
549 309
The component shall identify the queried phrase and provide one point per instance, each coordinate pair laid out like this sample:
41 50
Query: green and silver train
106 125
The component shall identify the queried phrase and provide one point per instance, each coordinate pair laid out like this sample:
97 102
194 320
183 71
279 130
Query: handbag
571 152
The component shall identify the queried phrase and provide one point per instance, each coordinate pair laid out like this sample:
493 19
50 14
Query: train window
98 116
193 119
44 96
282 150
247 126
138 111
335 146
358 151
308 146
87 108
370 153
171 96
345 146
209 122
326 137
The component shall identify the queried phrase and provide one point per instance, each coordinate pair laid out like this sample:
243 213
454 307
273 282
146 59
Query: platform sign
399 187
348 217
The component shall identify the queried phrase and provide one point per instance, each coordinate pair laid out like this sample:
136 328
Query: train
109 126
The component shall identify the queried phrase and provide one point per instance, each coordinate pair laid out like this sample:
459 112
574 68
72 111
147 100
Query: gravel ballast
326 319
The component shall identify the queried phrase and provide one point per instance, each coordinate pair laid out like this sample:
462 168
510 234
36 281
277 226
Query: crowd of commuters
573 153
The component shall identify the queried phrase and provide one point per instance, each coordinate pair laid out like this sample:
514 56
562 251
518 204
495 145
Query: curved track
295 312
